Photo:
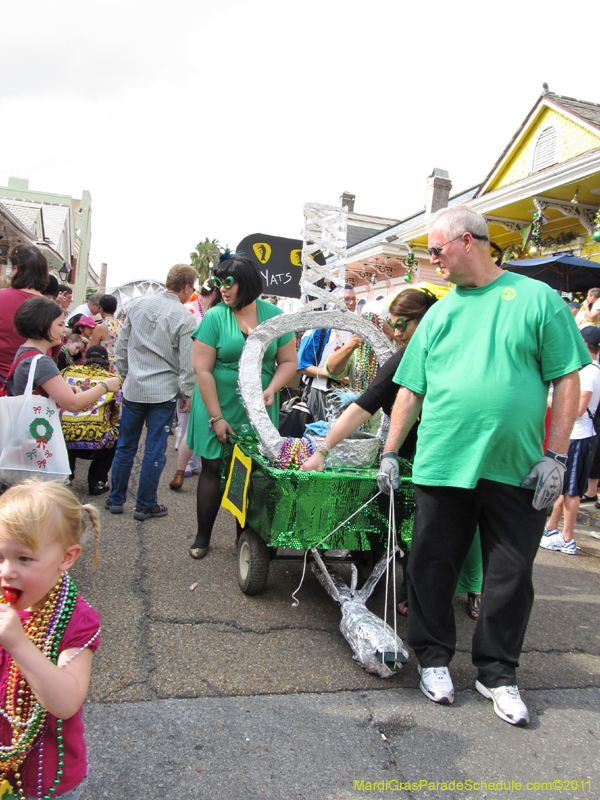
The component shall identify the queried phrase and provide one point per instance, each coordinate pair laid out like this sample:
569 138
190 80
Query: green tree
205 257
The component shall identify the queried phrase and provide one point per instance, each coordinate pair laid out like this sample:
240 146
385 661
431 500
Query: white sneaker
436 684
556 541
507 703
546 533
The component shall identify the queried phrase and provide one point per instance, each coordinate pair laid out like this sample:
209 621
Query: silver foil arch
252 357
127 293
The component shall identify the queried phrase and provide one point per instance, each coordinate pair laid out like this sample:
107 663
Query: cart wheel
253 562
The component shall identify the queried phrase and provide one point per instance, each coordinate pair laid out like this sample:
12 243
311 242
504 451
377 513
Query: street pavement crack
236 627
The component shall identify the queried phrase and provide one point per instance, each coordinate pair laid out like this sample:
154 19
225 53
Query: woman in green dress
217 405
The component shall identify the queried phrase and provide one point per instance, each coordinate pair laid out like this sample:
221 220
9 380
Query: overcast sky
221 118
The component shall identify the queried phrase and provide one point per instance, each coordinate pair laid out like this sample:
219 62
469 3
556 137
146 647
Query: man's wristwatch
560 457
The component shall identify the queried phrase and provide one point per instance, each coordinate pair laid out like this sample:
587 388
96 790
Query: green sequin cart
293 510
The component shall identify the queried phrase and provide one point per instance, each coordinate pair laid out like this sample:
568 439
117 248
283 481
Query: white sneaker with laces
507 703
557 542
436 684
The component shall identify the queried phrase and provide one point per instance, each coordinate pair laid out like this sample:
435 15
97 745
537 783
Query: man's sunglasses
437 251
401 323
227 283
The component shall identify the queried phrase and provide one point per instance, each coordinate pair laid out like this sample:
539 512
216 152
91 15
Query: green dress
219 329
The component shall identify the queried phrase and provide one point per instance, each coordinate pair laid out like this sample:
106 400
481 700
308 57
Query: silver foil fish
375 645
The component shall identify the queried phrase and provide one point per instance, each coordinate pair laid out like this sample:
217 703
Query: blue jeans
160 417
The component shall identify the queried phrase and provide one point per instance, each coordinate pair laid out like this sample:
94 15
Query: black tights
208 500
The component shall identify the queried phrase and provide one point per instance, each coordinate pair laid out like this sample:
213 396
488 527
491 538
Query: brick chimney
438 191
347 199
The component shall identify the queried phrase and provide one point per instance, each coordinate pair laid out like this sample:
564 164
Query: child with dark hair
51 289
41 322
83 325
92 433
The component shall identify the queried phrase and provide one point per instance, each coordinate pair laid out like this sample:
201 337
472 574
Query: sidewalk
211 694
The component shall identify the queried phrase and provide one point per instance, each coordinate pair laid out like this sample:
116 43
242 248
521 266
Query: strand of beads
365 360
596 231
410 265
293 453
536 234
81 649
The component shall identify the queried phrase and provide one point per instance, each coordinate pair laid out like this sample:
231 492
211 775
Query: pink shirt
82 626
10 341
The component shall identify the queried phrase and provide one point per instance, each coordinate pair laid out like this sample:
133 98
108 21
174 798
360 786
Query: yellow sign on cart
235 496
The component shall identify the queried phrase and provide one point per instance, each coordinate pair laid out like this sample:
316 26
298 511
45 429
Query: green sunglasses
400 324
227 283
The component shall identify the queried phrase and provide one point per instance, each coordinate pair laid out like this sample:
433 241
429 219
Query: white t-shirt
82 309
336 339
589 379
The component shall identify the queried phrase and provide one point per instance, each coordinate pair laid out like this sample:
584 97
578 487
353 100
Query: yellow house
550 166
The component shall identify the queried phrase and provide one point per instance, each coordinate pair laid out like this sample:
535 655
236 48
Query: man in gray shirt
154 357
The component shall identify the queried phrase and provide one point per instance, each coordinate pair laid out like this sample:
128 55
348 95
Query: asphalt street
199 691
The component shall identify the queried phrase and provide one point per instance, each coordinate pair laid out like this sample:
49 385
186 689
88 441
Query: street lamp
64 272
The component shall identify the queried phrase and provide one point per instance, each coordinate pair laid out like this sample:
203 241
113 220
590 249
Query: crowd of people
467 395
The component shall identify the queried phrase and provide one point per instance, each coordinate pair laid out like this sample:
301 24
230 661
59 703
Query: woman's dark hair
412 303
97 355
51 289
34 317
108 303
247 276
74 320
64 288
32 268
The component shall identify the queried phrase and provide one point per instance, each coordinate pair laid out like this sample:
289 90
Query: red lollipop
11 595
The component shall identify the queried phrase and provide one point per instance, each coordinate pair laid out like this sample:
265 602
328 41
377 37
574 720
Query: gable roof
580 111
588 112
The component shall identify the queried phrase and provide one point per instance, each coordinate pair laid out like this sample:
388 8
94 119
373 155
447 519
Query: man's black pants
445 521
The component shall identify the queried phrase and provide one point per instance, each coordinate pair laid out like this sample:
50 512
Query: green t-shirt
483 358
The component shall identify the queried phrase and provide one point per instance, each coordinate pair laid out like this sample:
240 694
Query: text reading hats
591 335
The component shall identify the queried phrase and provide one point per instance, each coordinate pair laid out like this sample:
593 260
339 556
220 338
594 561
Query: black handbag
294 416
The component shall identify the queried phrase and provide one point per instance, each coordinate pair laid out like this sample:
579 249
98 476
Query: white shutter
545 149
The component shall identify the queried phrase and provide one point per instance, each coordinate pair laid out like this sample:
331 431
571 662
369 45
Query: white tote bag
32 444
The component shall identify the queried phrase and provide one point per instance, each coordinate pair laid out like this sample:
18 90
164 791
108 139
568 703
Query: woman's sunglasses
227 283
400 324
